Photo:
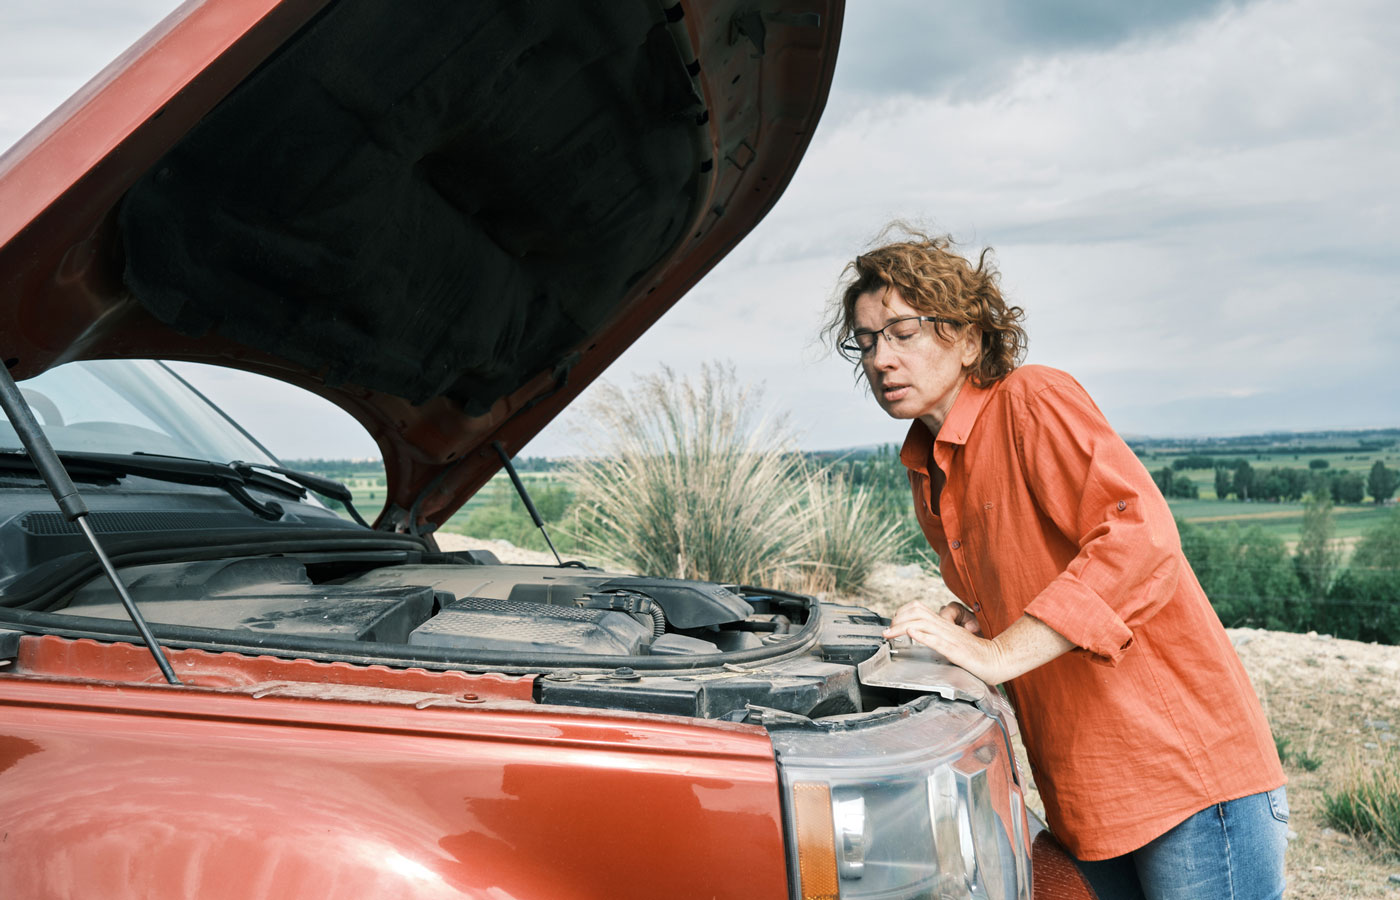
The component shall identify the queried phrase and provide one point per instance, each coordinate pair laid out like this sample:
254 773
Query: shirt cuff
1078 613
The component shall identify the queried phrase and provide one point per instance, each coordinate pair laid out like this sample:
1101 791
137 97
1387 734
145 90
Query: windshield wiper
326 487
179 470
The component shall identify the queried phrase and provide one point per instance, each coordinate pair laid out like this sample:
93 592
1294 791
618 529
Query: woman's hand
958 615
1027 644
951 632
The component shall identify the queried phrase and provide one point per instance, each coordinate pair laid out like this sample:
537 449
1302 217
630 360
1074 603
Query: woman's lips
894 392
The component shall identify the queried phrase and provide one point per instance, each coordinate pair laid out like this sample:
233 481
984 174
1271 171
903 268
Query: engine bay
466 608
593 638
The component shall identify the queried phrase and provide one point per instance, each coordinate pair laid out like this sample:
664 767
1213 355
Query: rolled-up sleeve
1097 493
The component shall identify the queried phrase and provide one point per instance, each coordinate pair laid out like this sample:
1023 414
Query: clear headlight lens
921 805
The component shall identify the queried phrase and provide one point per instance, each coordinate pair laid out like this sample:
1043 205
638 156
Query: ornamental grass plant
849 536
1365 801
685 478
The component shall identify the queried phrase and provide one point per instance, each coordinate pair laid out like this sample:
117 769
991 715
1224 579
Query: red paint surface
147 791
97 661
1054 876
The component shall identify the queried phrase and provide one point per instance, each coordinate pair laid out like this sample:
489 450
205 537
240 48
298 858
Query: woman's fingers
912 612
960 615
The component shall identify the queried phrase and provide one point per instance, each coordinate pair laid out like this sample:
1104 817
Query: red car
447 218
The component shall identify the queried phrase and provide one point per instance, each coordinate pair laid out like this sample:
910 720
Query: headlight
921 803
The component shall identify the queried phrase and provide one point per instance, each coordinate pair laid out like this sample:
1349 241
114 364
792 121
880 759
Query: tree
1244 479
1173 485
1223 487
1349 487
1246 574
1318 554
1269 484
1365 601
1164 477
1318 464
1382 482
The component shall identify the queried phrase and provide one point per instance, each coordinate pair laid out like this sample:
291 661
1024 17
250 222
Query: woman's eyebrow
887 322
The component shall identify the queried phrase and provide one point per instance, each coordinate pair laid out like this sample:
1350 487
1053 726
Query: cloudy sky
1196 202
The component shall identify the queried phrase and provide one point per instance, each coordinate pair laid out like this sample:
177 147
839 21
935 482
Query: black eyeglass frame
853 352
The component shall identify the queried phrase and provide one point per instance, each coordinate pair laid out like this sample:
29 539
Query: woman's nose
882 354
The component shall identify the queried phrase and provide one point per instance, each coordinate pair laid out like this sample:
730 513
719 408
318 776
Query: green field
1283 520
366 483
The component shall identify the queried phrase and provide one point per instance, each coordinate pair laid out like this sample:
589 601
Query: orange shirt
1045 511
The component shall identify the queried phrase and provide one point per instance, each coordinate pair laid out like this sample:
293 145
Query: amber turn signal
816 841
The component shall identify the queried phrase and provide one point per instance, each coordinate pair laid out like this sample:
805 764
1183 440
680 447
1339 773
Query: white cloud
1207 213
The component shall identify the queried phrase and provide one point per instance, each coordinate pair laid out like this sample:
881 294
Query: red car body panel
122 790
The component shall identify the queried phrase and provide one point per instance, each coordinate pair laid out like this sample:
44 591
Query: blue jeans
1227 851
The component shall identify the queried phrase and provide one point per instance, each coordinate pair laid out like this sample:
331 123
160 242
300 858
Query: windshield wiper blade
71 504
326 487
183 470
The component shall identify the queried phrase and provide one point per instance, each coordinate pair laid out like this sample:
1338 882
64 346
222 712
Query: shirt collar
966 407
963 415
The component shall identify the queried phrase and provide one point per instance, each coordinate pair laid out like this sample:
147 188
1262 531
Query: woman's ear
971 346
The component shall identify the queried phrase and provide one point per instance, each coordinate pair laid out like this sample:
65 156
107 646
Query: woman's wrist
1027 644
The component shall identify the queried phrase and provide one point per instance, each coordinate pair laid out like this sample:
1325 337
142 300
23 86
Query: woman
1149 747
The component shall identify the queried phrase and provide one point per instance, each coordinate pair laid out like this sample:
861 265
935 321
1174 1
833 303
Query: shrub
1318 553
848 537
1247 575
884 477
1366 802
687 484
1364 603
684 482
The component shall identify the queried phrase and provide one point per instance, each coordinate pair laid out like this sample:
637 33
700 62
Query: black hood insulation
431 197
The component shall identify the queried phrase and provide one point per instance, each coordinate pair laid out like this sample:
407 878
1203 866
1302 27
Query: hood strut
525 496
70 503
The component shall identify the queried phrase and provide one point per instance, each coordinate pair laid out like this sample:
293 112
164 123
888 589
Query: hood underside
445 217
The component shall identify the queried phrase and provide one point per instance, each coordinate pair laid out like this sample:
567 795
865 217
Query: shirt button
976 607
955 544
1122 505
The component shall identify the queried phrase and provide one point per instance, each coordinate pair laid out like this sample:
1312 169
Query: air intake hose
628 602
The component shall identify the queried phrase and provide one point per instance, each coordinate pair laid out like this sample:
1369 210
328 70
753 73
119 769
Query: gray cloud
918 46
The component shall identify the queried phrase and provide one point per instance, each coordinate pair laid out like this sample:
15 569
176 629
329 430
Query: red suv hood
447 218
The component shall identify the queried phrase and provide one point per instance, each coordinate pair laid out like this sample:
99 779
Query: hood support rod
525 496
70 502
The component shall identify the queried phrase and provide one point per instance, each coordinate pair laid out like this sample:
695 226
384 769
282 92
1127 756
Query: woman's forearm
1025 645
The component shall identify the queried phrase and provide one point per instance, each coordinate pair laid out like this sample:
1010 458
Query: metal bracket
917 668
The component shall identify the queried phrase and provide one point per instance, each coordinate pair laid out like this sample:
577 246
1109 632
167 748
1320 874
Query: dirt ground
1336 702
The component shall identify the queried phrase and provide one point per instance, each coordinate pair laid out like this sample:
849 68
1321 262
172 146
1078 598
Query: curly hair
937 281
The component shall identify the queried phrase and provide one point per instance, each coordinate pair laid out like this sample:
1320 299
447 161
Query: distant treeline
1274 443
351 468
1237 478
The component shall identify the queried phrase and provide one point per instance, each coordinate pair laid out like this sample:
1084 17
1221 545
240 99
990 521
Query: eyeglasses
903 335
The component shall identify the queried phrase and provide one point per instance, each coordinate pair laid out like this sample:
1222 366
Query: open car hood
447 218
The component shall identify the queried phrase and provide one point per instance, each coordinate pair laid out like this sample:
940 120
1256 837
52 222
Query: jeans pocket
1278 803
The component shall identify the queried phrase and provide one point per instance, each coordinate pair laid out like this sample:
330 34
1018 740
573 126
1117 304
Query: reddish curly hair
937 281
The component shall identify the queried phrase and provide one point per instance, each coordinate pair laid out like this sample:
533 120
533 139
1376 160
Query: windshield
126 406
